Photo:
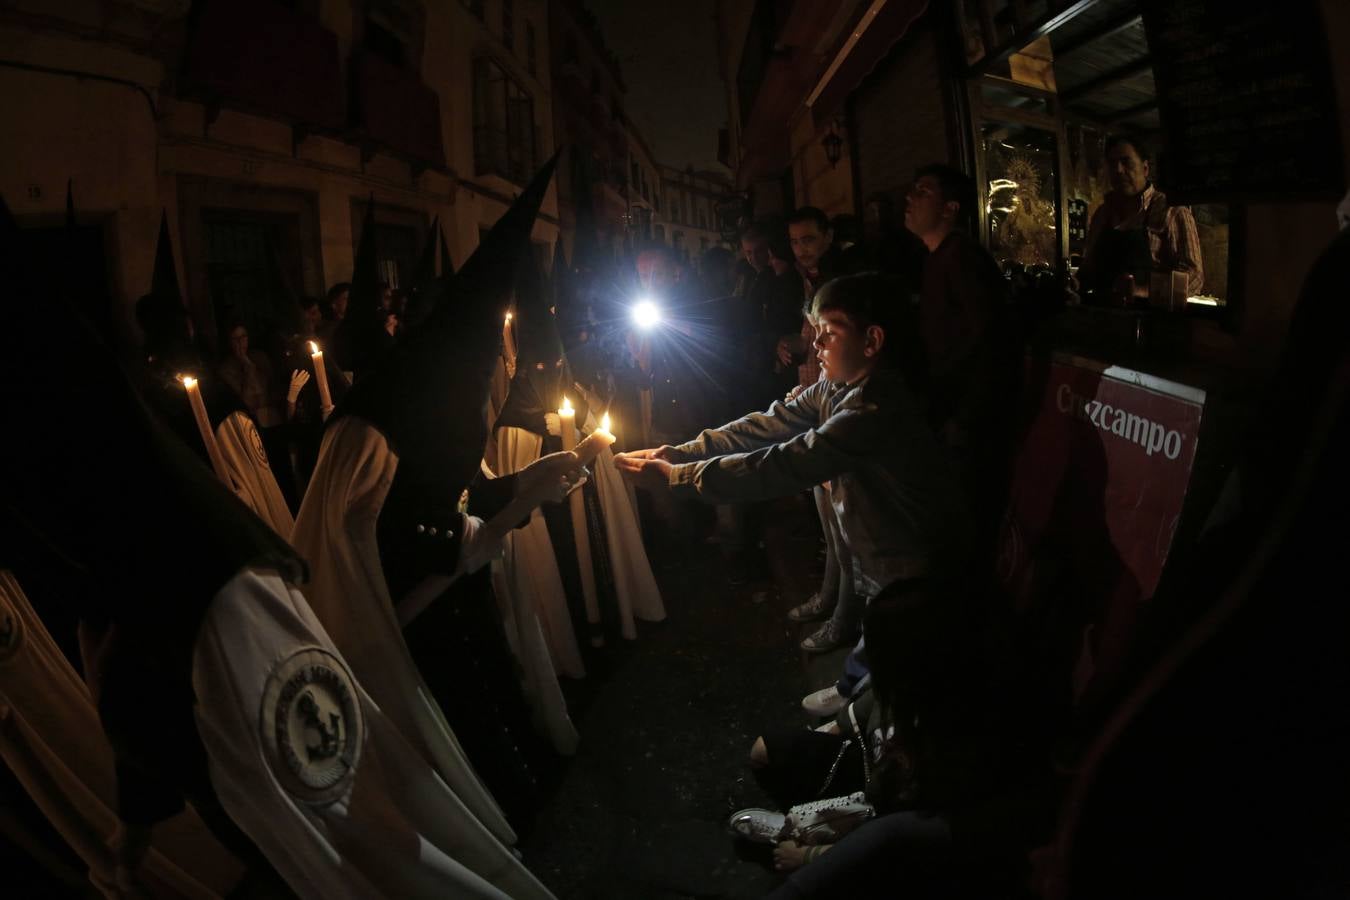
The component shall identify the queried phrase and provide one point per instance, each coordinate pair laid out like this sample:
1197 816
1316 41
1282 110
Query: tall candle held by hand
194 394
595 442
321 377
509 338
568 417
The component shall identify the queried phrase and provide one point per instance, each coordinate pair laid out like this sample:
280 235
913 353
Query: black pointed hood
429 395
360 339
538 385
171 351
12 269
558 281
123 499
422 290
447 263
164 282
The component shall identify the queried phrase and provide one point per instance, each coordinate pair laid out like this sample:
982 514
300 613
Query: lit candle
509 339
568 417
595 442
321 377
194 394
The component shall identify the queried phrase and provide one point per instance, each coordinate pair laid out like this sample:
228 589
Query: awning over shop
882 26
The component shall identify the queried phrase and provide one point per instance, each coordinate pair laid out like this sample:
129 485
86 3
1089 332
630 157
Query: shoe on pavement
824 702
818 607
824 639
759 826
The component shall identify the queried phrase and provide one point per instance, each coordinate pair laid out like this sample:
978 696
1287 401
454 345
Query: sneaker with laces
760 826
818 607
824 702
824 639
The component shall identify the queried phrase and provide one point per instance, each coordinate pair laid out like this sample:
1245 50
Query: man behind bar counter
1135 233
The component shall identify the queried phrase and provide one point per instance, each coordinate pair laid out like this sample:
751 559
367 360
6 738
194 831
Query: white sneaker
761 826
824 702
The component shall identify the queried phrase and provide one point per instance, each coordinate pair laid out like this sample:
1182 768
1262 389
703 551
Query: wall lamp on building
833 144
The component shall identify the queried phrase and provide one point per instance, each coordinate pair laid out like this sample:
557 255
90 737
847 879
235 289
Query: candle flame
508 318
604 422
313 348
188 381
567 405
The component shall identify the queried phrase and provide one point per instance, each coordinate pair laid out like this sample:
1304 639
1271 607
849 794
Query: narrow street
639 813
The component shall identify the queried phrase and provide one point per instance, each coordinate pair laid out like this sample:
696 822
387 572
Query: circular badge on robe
11 629
312 725
256 445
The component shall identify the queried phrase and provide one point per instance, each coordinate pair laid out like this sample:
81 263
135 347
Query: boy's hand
646 471
665 451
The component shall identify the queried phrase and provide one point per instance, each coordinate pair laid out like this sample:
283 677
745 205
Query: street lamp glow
646 314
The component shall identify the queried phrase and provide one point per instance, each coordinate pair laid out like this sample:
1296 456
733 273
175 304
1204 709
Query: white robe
364 816
634 584
51 739
250 472
335 534
536 617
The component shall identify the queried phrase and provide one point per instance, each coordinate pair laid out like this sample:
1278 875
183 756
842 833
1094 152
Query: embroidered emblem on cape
11 629
312 725
256 444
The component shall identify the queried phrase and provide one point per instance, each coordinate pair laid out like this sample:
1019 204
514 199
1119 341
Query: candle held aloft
568 419
213 453
321 378
595 442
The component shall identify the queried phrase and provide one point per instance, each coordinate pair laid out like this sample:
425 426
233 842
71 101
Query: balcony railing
260 57
393 109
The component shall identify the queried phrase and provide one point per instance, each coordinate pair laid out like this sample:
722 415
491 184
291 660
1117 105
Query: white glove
550 478
474 551
299 378
553 422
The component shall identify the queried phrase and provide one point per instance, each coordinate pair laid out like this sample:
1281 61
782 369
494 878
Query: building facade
589 127
262 129
693 216
1022 97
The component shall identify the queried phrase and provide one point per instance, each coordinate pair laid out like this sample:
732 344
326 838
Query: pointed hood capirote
12 268
428 395
537 387
171 351
124 499
447 264
164 281
423 287
360 339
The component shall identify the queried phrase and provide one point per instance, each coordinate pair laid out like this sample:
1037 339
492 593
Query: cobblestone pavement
640 812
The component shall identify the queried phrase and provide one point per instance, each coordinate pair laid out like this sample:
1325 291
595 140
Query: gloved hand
550 478
553 423
299 378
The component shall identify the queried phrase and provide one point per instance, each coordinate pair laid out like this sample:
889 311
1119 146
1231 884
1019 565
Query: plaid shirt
1173 239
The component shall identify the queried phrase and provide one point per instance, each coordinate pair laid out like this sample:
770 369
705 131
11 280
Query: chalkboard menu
1246 100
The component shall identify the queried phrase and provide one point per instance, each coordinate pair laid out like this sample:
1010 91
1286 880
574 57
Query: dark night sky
668 55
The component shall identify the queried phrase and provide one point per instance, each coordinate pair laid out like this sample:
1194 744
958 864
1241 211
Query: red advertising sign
1098 489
